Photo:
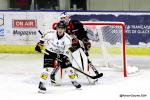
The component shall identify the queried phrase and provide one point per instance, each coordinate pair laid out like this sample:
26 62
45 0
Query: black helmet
61 24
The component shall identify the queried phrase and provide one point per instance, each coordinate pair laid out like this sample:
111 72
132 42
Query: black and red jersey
75 27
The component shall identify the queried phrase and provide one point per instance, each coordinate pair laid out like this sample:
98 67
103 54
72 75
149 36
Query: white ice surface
19 77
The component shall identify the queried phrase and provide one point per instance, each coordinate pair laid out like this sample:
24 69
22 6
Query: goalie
57 44
80 43
76 30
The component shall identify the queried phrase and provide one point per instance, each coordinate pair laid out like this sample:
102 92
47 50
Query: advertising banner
22 27
1 25
137 24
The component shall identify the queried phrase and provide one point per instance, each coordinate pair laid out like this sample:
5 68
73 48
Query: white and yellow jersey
55 45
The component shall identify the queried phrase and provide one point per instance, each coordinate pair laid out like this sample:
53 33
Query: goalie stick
93 68
93 77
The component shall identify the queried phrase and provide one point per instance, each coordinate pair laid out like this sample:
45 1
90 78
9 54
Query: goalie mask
64 17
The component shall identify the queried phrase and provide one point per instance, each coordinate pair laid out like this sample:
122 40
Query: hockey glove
86 43
40 46
66 63
75 45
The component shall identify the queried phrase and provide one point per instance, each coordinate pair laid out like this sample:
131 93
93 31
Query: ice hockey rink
19 77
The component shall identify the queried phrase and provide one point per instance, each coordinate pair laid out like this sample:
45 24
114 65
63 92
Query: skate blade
93 83
78 88
55 84
41 91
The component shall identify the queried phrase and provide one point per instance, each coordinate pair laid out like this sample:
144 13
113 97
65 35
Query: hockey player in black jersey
76 30
80 42
79 38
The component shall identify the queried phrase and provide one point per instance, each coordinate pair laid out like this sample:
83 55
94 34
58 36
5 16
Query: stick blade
98 76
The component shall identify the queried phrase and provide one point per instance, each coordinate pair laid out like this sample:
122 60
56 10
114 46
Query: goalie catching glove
39 47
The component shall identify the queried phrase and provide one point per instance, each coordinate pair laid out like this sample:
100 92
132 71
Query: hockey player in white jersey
57 44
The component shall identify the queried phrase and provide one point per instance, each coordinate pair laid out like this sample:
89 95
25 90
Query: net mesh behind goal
108 42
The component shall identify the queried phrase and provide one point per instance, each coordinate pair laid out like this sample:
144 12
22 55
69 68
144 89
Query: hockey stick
42 35
40 32
93 77
93 68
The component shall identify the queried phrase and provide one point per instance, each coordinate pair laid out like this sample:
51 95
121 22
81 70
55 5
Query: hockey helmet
61 24
64 14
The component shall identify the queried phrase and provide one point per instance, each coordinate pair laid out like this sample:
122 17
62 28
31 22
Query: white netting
109 43
1 21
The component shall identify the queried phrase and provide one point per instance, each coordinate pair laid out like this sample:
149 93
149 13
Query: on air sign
24 24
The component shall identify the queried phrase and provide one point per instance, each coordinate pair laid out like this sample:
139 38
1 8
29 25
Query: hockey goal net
108 44
108 40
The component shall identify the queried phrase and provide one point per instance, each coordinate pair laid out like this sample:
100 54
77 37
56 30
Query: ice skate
42 88
76 84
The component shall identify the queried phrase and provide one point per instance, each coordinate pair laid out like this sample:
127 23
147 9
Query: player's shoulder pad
75 21
51 31
68 37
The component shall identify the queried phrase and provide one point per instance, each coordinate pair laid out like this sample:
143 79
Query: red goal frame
122 24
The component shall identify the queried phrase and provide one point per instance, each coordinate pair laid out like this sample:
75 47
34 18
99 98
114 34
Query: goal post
110 37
